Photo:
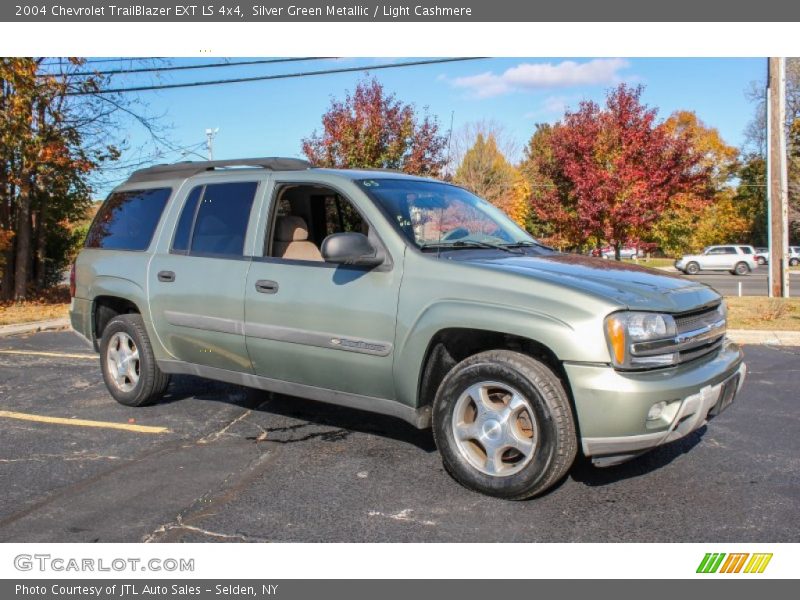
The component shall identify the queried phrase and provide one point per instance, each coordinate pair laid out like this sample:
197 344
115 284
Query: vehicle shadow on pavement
584 472
349 419
187 387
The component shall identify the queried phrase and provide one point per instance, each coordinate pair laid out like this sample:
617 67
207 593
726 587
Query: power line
167 86
94 61
187 67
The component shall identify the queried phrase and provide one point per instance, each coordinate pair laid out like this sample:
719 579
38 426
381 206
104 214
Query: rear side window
220 223
127 220
746 249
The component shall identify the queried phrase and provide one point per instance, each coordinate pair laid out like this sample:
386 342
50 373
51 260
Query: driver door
316 323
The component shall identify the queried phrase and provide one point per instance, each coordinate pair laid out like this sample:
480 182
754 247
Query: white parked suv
737 259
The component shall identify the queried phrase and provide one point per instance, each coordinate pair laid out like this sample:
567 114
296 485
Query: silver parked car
738 259
762 256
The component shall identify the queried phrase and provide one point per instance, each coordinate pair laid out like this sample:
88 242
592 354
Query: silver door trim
305 337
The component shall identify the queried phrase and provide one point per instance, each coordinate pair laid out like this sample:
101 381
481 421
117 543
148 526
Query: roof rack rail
189 168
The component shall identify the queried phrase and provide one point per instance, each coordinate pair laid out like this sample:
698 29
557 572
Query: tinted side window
180 242
341 216
222 216
127 220
728 250
746 249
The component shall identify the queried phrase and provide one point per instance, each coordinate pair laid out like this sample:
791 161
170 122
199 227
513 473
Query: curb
35 326
762 336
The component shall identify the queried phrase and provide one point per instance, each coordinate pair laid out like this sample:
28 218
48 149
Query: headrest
291 229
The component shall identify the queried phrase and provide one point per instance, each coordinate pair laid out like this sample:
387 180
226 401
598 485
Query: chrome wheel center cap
491 429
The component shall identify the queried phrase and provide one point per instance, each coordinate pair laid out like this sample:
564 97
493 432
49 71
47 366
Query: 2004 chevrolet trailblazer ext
404 296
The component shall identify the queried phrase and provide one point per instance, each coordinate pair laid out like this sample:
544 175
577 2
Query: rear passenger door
196 279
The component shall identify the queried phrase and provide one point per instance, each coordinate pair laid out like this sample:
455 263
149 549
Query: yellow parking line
82 422
51 354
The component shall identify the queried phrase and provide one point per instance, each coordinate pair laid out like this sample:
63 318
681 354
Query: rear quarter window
127 220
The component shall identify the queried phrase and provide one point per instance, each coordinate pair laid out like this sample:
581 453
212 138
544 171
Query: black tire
761 260
793 262
555 440
692 268
740 269
151 382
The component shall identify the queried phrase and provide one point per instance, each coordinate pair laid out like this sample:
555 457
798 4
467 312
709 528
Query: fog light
656 411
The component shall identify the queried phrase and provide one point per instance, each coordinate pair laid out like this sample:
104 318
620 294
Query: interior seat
291 240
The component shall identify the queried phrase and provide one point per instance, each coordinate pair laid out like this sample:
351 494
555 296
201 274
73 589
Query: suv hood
628 285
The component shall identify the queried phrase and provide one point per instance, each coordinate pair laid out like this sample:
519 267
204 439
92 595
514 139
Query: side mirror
350 248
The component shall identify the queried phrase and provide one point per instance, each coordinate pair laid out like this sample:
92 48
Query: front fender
564 340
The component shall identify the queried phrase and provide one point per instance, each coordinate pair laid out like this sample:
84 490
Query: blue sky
270 118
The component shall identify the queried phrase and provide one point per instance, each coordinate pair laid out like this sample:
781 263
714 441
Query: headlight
623 329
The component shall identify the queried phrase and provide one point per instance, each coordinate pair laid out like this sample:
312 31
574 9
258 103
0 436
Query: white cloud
537 76
552 105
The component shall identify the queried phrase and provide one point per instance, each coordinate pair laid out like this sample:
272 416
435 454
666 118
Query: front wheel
741 269
692 268
129 367
793 262
504 426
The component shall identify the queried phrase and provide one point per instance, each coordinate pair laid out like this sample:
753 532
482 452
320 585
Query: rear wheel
692 268
504 425
129 368
741 269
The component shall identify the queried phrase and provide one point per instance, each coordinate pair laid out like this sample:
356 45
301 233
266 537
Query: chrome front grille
697 319
698 333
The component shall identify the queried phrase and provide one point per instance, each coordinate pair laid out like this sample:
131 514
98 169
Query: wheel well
450 346
108 307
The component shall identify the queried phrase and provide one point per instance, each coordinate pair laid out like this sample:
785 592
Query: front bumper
612 406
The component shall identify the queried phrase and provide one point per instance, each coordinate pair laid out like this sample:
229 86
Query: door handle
266 286
166 276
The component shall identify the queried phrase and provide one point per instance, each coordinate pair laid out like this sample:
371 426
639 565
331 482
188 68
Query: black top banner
415 11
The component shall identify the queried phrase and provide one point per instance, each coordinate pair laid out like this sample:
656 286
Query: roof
186 169
373 174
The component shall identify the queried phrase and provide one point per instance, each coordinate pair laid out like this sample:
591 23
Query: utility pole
210 135
777 183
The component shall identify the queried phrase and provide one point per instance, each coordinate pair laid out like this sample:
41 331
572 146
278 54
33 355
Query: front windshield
435 215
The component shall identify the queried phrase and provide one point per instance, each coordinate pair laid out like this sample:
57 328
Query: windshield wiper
471 244
527 244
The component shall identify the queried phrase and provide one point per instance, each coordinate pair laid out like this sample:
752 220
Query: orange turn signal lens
616 338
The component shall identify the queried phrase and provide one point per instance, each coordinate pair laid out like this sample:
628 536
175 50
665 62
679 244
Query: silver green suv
404 296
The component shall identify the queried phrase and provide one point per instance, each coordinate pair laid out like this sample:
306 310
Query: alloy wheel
494 428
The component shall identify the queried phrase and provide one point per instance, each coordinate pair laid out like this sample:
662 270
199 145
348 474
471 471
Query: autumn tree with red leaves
371 128
59 124
605 175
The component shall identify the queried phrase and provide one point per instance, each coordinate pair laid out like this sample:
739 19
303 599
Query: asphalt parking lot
214 462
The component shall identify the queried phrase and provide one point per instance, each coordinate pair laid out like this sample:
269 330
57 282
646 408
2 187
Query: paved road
754 284
240 465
